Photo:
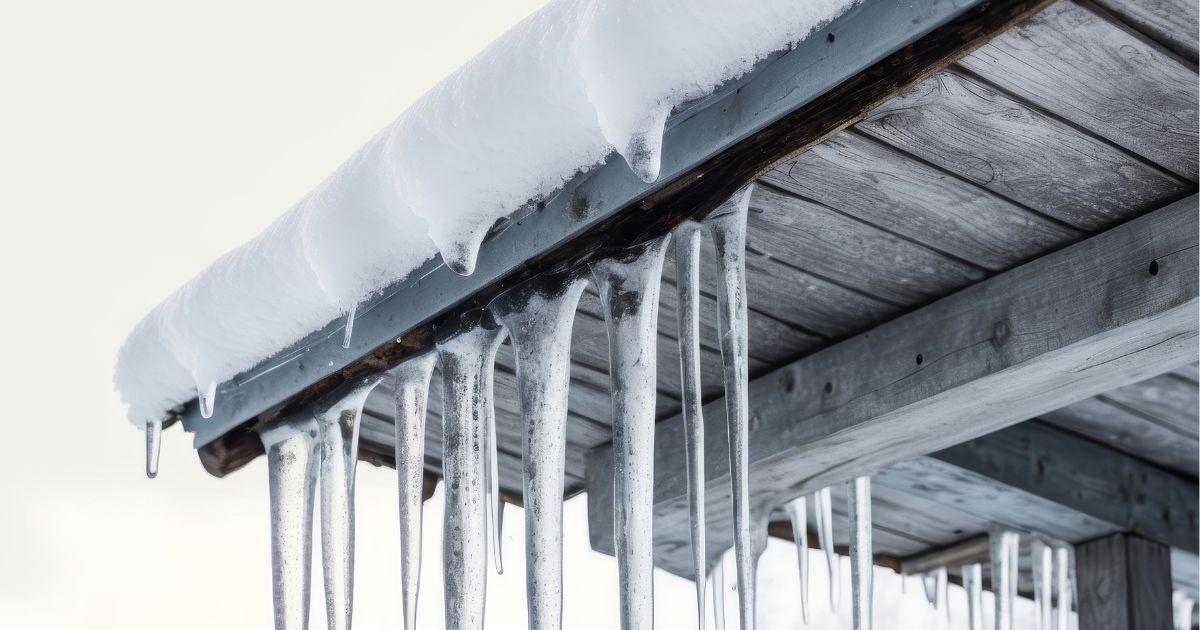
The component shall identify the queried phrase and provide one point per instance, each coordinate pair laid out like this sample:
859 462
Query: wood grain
1129 432
1124 583
1070 61
1173 23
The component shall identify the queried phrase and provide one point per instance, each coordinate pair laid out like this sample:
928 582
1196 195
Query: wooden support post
1124 583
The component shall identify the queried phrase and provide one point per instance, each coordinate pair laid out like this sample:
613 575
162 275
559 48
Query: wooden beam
1114 309
1124 583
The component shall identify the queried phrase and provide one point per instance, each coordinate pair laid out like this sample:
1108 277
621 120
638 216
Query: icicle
903 582
467 358
718 593
930 582
1005 547
973 585
339 424
797 511
349 326
943 591
728 228
293 457
643 153
629 294
497 521
1042 561
1184 607
494 503
1064 586
687 271
823 509
412 393
153 447
862 563
207 397
539 315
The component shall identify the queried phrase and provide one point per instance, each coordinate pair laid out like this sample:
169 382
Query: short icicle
467 357
206 396
629 286
1005 549
727 225
797 510
412 396
941 598
293 459
823 509
1184 608
339 422
153 447
1042 562
1064 586
862 563
539 315
972 575
687 271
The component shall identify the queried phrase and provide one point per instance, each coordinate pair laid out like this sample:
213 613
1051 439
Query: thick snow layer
554 96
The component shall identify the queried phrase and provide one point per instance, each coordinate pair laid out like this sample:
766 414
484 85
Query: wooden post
1124 584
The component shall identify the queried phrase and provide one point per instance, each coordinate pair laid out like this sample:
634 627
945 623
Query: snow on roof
552 97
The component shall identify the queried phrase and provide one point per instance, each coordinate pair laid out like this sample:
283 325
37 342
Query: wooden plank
1169 402
828 244
1124 493
1053 331
879 185
1073 62
1173 23
1128 432
1124 583
967 128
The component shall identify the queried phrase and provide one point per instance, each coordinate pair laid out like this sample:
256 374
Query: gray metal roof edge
780 84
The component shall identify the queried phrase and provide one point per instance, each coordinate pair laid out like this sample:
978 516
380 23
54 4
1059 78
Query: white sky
138 142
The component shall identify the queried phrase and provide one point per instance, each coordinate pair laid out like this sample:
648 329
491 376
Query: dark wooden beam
1114 309
1124 583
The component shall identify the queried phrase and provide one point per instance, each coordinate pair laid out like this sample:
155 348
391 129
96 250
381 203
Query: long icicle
718 593
412 396
339 423
1042 561
823 509
1005 547
539 315
862 562
797 510
973 585
1064 586
293 457
494 504
1183 608
687 271
153 447
629 287
727 225
943 592
467 358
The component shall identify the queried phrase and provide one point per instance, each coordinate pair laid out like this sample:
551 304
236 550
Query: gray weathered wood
1174 23
1073 62
1168 401
973 131
877 184
1124 583
1130 432
1077 322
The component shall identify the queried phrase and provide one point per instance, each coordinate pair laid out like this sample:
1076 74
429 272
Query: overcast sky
138 142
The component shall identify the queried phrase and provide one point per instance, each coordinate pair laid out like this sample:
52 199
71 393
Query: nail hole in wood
828 388
920 359
1154 268
829 38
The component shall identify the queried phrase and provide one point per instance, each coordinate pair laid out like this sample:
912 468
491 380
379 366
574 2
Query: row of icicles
315 453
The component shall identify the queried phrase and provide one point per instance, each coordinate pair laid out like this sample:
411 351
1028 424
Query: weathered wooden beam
1114 309
1124 583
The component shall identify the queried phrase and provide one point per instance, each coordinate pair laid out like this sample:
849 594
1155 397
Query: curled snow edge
551 98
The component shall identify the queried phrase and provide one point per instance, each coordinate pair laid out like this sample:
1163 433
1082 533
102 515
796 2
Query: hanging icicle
629 287
1042 562
1064 585
539 315
339 423
1005 548
727 225
1184 609
972 576
797 510
293 457
153 447
412 395
718 591
467 359
930 582
823 509
206 397
495 505
862 563
687 271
